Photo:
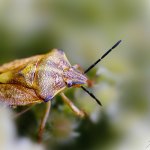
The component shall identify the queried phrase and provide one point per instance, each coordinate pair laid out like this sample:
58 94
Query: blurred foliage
85 30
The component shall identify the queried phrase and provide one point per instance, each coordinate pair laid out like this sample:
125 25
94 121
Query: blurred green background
85 30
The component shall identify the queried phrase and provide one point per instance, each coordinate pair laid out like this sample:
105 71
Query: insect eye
69 84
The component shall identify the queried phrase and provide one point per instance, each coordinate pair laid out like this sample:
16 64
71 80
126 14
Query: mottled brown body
38 78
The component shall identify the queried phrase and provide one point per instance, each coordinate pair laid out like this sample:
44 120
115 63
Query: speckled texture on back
49 80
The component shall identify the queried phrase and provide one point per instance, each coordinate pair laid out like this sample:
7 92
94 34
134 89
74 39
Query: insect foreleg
76 110
44 120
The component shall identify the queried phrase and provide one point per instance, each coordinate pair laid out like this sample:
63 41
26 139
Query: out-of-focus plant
84 29
8 137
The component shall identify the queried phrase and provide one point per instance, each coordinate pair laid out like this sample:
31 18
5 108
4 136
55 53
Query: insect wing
13 94
18 63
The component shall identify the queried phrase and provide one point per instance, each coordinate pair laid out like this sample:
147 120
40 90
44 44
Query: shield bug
40 78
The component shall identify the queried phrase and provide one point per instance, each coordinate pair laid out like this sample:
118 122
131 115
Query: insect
40 78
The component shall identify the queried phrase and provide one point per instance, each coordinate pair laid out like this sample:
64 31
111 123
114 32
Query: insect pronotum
40 78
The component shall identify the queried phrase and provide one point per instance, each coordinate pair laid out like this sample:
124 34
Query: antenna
91 94
93 65
105 54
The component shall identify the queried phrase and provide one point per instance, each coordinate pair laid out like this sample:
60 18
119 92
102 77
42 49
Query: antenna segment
104 55
92 95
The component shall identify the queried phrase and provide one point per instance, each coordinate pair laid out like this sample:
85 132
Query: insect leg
78 112
23 111
44 120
